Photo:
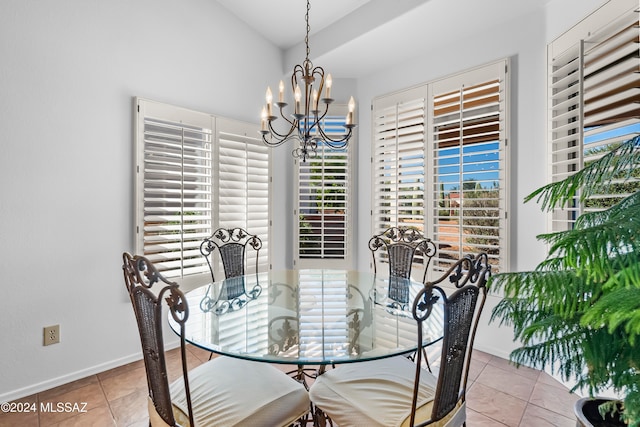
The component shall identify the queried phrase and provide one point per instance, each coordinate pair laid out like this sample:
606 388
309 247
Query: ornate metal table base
316 417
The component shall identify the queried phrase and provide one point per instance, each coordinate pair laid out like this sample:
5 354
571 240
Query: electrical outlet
51 335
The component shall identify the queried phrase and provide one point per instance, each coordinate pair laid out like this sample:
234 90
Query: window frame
571 141
421 117
219 128
337 112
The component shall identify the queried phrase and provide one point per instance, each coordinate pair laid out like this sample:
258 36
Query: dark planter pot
586 410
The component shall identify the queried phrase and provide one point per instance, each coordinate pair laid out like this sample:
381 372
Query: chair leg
426 359
211 357
412 357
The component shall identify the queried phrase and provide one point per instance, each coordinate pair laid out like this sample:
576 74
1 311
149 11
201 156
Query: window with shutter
194 173
398 164
439 164
243 181
322 214
174 186
468 143
594 91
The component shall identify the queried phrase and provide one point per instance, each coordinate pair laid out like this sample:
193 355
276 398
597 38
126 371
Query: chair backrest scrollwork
231 244
402 245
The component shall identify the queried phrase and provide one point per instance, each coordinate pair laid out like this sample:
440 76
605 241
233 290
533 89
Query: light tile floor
499 395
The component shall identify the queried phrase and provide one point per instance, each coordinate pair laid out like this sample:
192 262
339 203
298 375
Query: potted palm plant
578 312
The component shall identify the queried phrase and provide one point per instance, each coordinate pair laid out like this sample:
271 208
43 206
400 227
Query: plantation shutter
195 173
440 164
467 146
323 212
398 165
398 161
566 125
243 181
595 100
174 166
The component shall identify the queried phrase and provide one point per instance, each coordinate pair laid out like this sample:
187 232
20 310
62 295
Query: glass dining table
308 317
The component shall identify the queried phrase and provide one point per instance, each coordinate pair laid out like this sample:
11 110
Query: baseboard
64 379
77 375
494 351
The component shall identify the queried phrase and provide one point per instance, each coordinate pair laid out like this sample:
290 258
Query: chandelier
308 113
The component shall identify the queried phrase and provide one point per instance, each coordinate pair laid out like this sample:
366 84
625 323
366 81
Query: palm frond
560 292
599 242
595 176
619 308
632 407
562 354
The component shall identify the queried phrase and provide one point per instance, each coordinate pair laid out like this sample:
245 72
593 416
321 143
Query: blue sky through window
618 132
480 163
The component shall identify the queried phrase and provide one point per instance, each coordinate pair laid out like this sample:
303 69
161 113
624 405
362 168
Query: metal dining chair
223 392
231 244
402 245
399 392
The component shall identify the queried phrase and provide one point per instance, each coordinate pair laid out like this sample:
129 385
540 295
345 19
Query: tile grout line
113 415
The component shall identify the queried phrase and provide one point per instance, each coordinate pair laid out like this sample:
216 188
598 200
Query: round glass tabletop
308 317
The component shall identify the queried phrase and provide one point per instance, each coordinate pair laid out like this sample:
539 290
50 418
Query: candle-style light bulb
298 96
315 100
352 107
329 82
281 91
263 124
269 98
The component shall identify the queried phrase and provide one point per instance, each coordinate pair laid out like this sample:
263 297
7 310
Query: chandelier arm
320 117
271 143
294 77
293 122
278 142
336 143
319 71
315 120
283 135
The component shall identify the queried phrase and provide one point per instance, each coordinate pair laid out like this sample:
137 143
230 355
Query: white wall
68 72
564 14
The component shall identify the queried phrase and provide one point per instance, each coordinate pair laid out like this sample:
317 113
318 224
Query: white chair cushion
372 394
228 392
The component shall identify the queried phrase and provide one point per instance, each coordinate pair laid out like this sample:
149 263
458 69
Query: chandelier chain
306 38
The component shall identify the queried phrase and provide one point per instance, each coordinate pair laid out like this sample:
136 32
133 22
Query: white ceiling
343 32
282 21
